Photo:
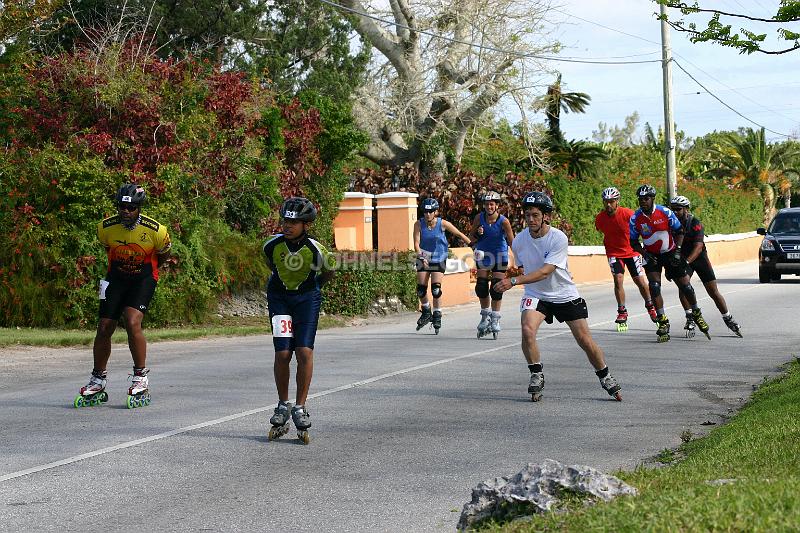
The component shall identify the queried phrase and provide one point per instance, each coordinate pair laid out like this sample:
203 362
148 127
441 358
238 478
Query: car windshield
785 224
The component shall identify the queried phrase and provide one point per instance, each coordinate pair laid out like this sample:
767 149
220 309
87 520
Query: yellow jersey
132 253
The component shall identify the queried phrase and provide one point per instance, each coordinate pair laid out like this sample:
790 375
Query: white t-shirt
550 249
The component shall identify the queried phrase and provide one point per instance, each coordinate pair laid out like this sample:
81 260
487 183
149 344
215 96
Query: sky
761 87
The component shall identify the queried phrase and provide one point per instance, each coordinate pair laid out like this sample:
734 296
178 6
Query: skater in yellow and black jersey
136 246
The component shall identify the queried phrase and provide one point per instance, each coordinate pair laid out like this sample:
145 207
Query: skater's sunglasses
127 207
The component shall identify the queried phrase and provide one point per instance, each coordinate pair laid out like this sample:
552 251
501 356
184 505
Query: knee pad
422 290
687 290
655 289
436 289
493 293
482 287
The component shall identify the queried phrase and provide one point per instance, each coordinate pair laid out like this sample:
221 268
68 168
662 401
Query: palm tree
556 101
749 161
579 157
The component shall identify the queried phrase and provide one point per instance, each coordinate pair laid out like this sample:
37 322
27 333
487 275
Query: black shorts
663 260
566 312
702 266
494 263
431 267
119 294
634 264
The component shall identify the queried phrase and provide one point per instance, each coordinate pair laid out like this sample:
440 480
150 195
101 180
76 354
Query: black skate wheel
536 397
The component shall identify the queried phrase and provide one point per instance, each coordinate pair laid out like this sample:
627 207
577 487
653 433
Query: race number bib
528 304
103 286
282 326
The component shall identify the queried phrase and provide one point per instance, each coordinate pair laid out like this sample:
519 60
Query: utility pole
669 121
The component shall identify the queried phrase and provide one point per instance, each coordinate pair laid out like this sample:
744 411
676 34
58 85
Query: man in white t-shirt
550 292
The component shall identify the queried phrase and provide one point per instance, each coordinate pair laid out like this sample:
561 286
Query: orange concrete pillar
352 228
397 212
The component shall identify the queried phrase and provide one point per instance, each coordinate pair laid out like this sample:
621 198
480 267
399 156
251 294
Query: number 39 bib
282 326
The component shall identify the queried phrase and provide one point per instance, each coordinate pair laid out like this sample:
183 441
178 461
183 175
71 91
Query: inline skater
136 246
492 234
694 250
430 243
541 251
662 235
300 267
614 223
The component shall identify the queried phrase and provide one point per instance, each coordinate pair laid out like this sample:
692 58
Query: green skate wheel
103 397
131 402
78 401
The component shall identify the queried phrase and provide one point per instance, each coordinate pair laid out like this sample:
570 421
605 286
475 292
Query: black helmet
298 208
538 199
646 190
429 205
131 193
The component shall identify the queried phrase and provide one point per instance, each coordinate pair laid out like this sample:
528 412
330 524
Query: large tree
298 45
718 30
21 15
443 65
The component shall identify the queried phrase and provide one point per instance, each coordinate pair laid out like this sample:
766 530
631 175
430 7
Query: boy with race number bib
300 266
613 223
541 251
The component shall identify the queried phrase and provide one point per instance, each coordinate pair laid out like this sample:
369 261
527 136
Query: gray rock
537 488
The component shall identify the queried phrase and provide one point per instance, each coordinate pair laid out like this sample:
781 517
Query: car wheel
763 275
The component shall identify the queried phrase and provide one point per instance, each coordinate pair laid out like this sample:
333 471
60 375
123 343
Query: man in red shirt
614 223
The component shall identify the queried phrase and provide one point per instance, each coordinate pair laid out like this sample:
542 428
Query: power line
718 99
483 46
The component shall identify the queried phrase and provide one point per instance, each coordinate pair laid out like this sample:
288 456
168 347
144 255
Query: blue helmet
430 205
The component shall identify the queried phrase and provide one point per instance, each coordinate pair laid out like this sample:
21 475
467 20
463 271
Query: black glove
675 259
649 259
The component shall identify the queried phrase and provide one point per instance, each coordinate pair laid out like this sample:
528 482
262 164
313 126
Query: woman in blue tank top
494 236
430 243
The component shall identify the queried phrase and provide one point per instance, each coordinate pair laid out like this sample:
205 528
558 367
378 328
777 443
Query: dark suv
779 252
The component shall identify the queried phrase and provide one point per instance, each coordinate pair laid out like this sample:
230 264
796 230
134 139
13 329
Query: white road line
217 421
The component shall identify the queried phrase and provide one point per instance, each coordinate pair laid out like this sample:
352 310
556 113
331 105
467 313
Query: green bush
216 152
363 277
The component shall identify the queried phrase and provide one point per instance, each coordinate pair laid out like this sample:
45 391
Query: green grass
229 326
759 448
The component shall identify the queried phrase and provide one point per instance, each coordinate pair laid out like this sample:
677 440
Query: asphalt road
405 424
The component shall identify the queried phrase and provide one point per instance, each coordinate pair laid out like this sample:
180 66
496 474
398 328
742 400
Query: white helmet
680 201
491 196
612 193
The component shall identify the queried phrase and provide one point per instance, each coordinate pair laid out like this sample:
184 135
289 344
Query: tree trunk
769 199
